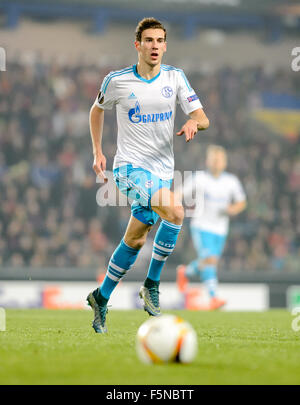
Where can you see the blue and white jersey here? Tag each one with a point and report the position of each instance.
(145, 115)
(214, 194)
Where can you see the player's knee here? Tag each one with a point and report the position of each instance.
(179, 215)
(136, 243)
(211, 260)
(176, 215)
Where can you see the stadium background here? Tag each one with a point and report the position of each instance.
(236, 54)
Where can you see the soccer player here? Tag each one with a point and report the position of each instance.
(145, 96)
(220, 196)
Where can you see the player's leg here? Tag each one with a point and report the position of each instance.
(164, 204)
(127, 180)
(209, 247)
(172, 214)
(136, 233)
(124, 255)
(209, 273)
(121, 261)
(168, 206)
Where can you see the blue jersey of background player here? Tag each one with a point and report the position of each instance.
(145, 96)
(220, 196)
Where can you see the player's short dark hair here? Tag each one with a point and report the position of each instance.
(146, 23)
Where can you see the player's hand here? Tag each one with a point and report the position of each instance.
(229, 211)
(99, 167)
(190, 128)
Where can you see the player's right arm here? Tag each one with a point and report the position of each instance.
(105, 100)
(96, 129)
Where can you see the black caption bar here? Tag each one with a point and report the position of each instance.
(137, 394)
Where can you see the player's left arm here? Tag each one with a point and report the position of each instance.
(239, 199)
(198, 122)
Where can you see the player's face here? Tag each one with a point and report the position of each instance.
(152, 46)
(216, 161)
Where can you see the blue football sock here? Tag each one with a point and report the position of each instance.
(164, 243)
(121, 261)
(192, 269)
(208, 276)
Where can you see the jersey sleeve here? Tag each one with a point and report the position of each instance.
(238, 193)
(186, 96)
(106, 97)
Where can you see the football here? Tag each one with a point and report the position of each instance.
(166, 339)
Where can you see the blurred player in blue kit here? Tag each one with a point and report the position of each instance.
(145, 96)
(219, 196)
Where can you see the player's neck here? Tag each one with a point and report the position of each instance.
(146, 71)
(215, 174)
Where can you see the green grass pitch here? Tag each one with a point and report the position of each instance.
(60, 347)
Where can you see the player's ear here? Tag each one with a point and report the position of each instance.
(137, 45)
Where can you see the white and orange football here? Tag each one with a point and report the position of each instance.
(166, 339)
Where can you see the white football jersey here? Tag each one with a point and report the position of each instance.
(145, 115)
(212, 195)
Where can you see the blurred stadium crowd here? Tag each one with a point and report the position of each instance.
(48, 211)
